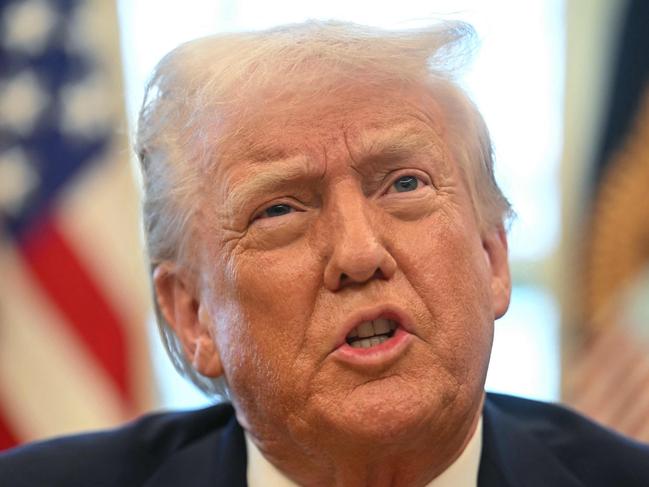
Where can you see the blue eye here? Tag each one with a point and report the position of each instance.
(276, 210)
(406, 183)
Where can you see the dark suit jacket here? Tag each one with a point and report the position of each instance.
(525, 443)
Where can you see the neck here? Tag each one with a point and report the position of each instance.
(408, 461)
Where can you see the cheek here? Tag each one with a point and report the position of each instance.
(276, 284)
(274, 293)
(442, 256)
(444, 263)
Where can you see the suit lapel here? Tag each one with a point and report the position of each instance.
(513, 456)
(218, 459)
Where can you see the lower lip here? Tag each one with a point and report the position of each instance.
(379, 354)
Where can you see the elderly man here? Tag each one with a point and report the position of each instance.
(328, 252)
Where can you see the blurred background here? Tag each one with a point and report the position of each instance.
(561, 83)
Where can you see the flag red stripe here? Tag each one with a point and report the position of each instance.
(7, 437)
(75, 294)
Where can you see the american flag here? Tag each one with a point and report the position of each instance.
(73, 298)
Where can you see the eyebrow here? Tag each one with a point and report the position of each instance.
(402, 140)
(273, 170)
(270, 175)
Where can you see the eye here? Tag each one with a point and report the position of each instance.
(406, 183)
(275, 210)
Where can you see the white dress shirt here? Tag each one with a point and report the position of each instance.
(463, 472)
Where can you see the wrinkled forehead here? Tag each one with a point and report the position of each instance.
(305, 120)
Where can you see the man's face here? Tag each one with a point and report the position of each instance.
(344, 218)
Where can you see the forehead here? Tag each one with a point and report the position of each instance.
(354, 116)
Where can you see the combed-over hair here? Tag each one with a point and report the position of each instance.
(206, 81)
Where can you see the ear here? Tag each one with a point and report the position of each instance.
(187, 317)
(494, 243)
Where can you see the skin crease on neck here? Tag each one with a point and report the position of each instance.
(301, 231)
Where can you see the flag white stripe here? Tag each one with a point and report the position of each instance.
(49, 384)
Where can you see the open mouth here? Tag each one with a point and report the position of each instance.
(368, 334)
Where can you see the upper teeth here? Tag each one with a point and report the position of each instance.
(367, 329)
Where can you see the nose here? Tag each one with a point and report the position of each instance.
(357, 252)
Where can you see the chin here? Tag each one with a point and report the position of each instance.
(388, 412)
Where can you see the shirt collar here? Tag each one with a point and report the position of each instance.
(463, 472)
